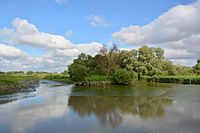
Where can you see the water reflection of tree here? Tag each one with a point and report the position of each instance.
(109, 109)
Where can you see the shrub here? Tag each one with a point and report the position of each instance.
(133, 75)
(99, 78)
(122, 76)
(78, 72)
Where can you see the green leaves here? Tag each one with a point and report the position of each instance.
(78, 72)
(122, 76)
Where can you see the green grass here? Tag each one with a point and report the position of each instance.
(56, 77)
(99, 78)
(176, 79)
(7, 79)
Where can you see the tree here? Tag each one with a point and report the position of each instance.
(29, 72)
(146, 54)
(108, 59)
(2, 72)
(64, 72)
(197, 67)
(78, 72)
(122, 76)
(159, 53)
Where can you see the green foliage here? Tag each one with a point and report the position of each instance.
(184, 71)
(64, 72)
(29, 72)
(16, 73)
(197, 67)
(142, 63)
(6, 79)
(108, 59)
(2, 72)
(122, 76)
(133, 75)
(98, 78)
(176, 79)
(55, 77)
(78, 72)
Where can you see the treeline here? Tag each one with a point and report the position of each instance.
(33, 73)
(9, 77)
(124, 66)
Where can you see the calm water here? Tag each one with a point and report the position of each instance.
(59, 108)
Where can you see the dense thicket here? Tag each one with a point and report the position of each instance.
(122, 64)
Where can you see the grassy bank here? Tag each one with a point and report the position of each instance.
(10, 84)
(95, 80)
(6, 79)
(175, 79)
(63, 78)
(99, 78)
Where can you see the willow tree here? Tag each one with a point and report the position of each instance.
(197, 67)
(108, 59)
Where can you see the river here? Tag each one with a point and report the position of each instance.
(57, 107)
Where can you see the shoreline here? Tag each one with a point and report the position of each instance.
(14, 87)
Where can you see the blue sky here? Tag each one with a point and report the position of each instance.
(88, 22)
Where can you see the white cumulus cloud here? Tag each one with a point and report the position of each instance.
(59, 52)
(177, 31)
(28, 35)
(11, 52)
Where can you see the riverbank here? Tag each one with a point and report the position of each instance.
(59, 78)
(11, 84)
(175, 79)
(102, 80)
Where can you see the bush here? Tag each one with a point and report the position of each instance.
(55, 77)
(78, 72)
(175, 79)
(29, 72)
(98, 78)
(122, 76)
(133, 75)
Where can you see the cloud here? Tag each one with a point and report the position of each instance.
(177, 30)
(11, 52)
(28, 35)
(60, 1)
(68, 33)
(97, 21)
(6, 32)
(78, 49)
(185, 62)
(54, 102)
(59, 52)
(173, 25)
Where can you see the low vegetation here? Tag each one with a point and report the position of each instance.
(8, 79)
(175, 79)
(99, 78)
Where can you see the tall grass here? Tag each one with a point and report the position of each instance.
(55, 77)
(175, 79)
(98, 78)
(7, 79)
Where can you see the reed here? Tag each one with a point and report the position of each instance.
(175, 79)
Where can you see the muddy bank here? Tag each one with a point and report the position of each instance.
(14, 87)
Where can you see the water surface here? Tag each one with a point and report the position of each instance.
(60, 107)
